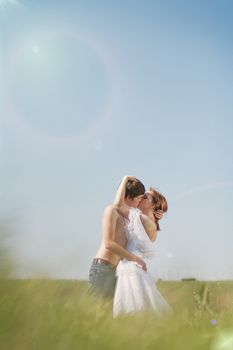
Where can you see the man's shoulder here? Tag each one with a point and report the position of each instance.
(111, 209)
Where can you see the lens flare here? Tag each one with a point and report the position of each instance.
(224, 341)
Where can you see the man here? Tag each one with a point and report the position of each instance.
(102, 275)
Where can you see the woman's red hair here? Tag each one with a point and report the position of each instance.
(160, 203)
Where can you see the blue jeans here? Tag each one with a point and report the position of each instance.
(102, 280)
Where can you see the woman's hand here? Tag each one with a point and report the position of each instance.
(158, 214)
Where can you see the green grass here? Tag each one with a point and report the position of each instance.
(56, 314)
(45, 314)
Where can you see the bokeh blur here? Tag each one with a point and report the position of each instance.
(93, 90)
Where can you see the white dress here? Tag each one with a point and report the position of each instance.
(135, 288)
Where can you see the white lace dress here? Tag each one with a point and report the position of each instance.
(136, 289)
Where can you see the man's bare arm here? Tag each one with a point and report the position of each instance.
(109, 236)
(120, 195)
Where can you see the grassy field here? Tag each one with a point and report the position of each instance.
(45, 314)
(56, 314)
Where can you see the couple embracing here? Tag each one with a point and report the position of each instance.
(119, 269)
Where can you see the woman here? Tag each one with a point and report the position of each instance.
(136, 289)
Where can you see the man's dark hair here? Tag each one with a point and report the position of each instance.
(134, 188)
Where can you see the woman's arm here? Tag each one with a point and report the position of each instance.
(149, 226)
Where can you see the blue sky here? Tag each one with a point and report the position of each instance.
(94, 90)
